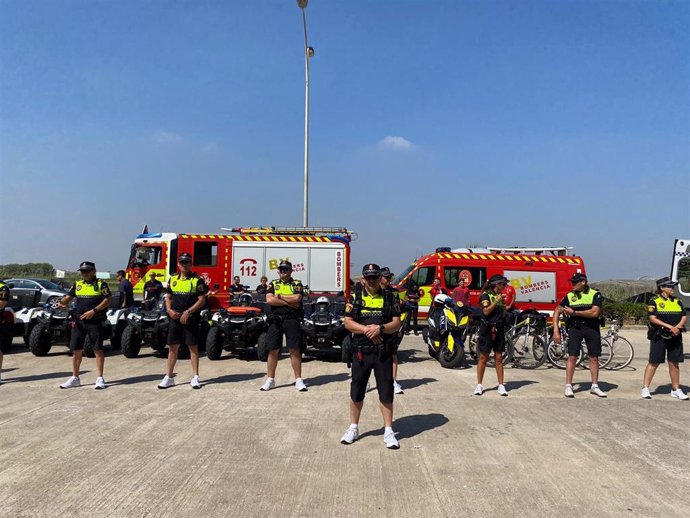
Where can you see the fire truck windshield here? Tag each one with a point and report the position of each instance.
(402, 275)
(145, 255)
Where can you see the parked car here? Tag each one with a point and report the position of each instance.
(22, 289)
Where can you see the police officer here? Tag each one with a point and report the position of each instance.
(284, 295)
(153, 289)
(186, 296)
(582, 308)
(491, 334)
(386, 277)
(373, 317)
(93, 297)
(4, 299)
(667, 320)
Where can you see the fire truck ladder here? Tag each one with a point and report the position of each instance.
(292, 231)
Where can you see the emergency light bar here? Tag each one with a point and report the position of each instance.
(546, 250)
(286, 231)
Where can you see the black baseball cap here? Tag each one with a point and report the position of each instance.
(497, 279)
(285, 265)
(184, 258)
(386, 272)
(666, 282)
(371, 270)
(577, 277)
(86, 266)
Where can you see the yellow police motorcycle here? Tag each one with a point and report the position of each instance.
(445, 334)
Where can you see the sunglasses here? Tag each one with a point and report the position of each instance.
(371, 277)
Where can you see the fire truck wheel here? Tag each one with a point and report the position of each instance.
(39, 340)
(130, 343)
(214, 344)
(88, 348)
(183, 353)
(262, 348)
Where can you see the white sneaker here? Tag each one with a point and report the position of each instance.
(268, 385)
(390, 440)
(72, 382)
(644, 393)
(167, 382)
(397, 389)
(299, 385)
(597, 391)
(100, 383)
(502, 391)
(569, 391)
(679, 394)
(196, 382)
(350, 436)
(478, 390)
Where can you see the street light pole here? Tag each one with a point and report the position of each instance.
(308, 53)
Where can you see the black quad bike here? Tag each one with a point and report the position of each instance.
(52, 327)
(322, 325)
(240, 327)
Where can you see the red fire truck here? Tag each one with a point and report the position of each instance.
(539, 275)
(320, 257)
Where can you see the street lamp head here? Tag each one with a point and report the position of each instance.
(302, 3)
(310, 52)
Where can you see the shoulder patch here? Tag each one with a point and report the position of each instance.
(651, 309)
(348, 308)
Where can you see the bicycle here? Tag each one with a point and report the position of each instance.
(558, 353)
(528, 339)
(622, 352)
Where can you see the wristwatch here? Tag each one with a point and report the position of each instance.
(382, 329)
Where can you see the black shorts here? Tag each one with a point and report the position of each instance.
(488, 341)
(84, 328)
(183, 334)
(383, 372)
(592, 338)
(290, 327)
(660, 349)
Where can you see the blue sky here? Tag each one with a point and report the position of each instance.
(433, 123)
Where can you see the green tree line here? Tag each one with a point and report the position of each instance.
(42, 270)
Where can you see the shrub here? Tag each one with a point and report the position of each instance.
(629, 312)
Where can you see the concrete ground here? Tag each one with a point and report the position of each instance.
(231, 450)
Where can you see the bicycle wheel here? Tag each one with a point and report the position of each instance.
(558, 354)
(529, 350)
(507, 354)
(622, 353)
(604, 358)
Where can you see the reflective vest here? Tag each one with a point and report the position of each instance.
(372, 306)
(286, 288)
(183, 286)
(582, 300)
(669, 311)
(89, 290)
(4, 293)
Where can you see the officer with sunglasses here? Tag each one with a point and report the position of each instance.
(582, 309)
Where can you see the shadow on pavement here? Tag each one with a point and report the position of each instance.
(666, 389)
(416, 382)
(325, 379)
(145, 378)
(603, 385)
(412, 425)
(39, 377)
(514, 385)
(412, 356)
(232, 378)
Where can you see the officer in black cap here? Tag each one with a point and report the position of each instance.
(491, 334)
(667, 321)
(386, 278)
(93, 298)
(284, 295)
(373, 318)
(186, 297)
(582, 307)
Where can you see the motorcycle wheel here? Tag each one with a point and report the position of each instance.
(451, 360)
(130, 343)
(39, 340)
(262, 348)
(214, 344)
